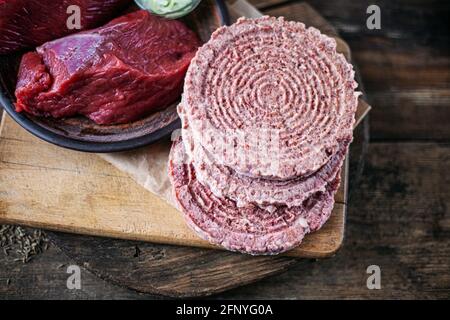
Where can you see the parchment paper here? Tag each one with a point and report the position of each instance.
(148, 165)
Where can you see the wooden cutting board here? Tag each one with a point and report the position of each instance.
(57, 189)
(45, 186)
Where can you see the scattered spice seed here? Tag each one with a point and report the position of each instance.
(22, 243)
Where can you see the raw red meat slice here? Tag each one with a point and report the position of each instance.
(28, 23)
(249, 229)
(270, 98)
(118, 73)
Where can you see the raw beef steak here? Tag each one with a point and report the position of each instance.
(28, 23)
(114, 74)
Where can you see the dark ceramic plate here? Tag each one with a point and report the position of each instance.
(82, 134)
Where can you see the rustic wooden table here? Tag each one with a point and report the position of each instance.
(399, 213)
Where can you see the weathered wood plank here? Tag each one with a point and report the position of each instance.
(399, 219)
(167, 270)
(405, 65)
(263, 4)
(406, 70)
(308, 15)
(46, 277)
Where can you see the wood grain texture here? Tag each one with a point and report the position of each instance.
(265, 4)
(46, 276)
(398, 219)
(308, 15)
(167, 270)
(405, 65)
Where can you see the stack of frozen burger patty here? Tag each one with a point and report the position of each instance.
(267, 116)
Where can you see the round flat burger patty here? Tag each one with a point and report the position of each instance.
(225, 182)
(270, 98)
(248, 229)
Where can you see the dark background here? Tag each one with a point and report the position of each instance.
(399, 213)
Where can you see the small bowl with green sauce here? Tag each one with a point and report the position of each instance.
(171, 9)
